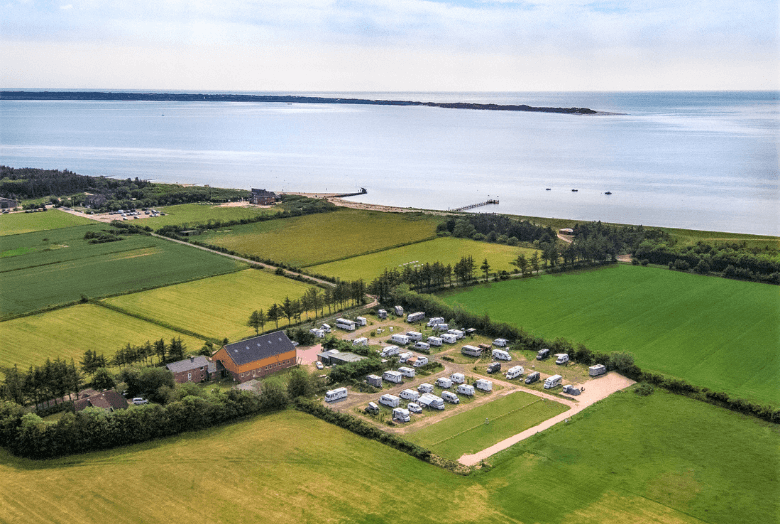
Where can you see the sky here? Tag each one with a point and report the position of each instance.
(390, 45)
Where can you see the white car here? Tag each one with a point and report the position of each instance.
(414, 408)
(319, 365)
(138, 401)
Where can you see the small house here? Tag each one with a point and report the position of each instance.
(262, 197)
(108, 400)
(193, 369)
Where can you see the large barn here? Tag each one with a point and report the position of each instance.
(257, 357)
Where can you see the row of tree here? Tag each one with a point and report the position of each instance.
(495, 228)
(54, 379)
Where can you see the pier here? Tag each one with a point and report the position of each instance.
(479, 204)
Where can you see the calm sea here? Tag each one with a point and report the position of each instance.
(693, 160)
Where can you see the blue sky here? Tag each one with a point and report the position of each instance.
(390, 45)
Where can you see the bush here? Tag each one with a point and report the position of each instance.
(644, 389)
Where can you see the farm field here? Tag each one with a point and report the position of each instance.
(468, 433)
(216, 307)
(59, 266)
(68, 332)
(17, 223)
(713, 332)
(193, 214)
(660, 458)
(447, 250)
(315, 239)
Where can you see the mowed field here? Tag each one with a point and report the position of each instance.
(68, 332)
(714, 332)
(54, 267)
(315, 239)
(627, 459)
(447, 250)
(217, 307)
(468, 432)
(193, 214)
(16, 223)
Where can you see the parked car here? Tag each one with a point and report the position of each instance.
(495, 367)
(414, 408)
(319, 365)
(138, 401)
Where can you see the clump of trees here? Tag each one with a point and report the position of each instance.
(499, 229)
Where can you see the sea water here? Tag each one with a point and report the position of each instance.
(693, 160)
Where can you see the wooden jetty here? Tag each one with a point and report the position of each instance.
(479, 204)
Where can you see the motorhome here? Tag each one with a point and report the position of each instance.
(425, 388)
(422, 346)
(403, 357)
(435, 321)
(398, 338)
(409, 394)
(415, 317)
(514, 372)
(414, 408)
(401, 415)
(362, 341)
(444, 382)
(414, 335)
(335, 394)
(441, 327)
(563, 358)
(484, 385)
(420, 362)
(389, 400)
(393, 376)
(372, 408)
(325, 328)
(434, 341)
(389, 351)
(543, 354)
(318, 333)
(598, 369)
(399, 311)
(431, 401)
(471, 351)
(465, 389)
(532, 377)
(360, 321)
(449, 338)
(553, 381)
(382, 314)
(500, 354)
(458, 378)
(450, 397)
(457, 332)
(374, 380)
(407, 372)
(494, 367)
(345, 324)
(571, 390)
(500, 342)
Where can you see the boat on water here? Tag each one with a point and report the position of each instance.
(548, 189)
(574, 190)
(608, 193)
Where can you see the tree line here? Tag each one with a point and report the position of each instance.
(495, 228)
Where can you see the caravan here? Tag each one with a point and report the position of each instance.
(422, 346)
(563, 358)
(403, 357)
(347, 325)
(500, 354)
(414, 335)
(434, 341)
(431, 401)
(393, 376)
(389, 400)
(400, 339)
(458, 378)
(360, 321)
(449, 338)
(407, 372)
(382, 314)
(399, 311)
(409, 394)
(420, 362)
(425, 388)
(598, 369)
(450, 397)
(441, 327)
(553, 381)
(500, 342)
(484, 385)
(471, 351)
(335, 394)
(435, 321)
(401, 415)
(318, 333)
(458, 333)
(374, 380)
(362, 341)
(389, 351)
(514, 372)
(444, 382)
(465, 389)
(415, 317)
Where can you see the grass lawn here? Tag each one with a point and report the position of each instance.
(217, 307)
(193, 214)
(315, 239)
(468, 433)
(713, 332)
(447, 250)
(16, 223)
(56, 267)
(67, 333)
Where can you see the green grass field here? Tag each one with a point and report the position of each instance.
(58, 266)
(217, 307)
(468, 433)
(713, 332)
(68, 332)
(16, 223)
(627, 459)
(193, 214)
(315, 239)
(447, 250)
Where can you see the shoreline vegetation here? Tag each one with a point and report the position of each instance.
(290, 99)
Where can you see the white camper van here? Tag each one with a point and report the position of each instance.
(415, 317)
(484, 385)
(598, 369)
(553, 381)
(360, 321)
(400, 339)
(450, 397)
(425, 388)
(318, 333)
(393, 376)
(431, 401)
(335, 394)
(399, 311)
(374, 380)
(389, 400)
(420, 362)
(435, 320)
(563, 358)
(465, 389)
(414, 335)
(403, 357)
(457, 332)
(458, 378)
(514, 372)
(409, 394)
(422, 346)
(500, 342)
(444, 382)
(500, 354)
(401, 415)
(434, 341)
(441, 327)
(407, 372)
(471, 351)
(345, 324)
(362, 341)
(382, 314)
(389, 351)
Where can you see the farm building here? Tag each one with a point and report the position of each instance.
(374, 380)
(8, 203)
(334, 357)
(257, 357)
(193, 369)
(262, 197)
(108, 400)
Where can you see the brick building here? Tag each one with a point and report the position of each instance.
(257, 357)
(193, 369)
(262, 197)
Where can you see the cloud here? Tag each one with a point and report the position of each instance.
(66, 7)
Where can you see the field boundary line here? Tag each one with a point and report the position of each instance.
(372, 252)
(73, 260)
(151, 320)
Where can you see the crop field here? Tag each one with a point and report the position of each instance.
(713, 332)
(193, 214)
(16, 223)
(467, 432)
(216, 307)
(59, 266)
(68, 332)
(627, 459)
(316, 239)
(447, 250)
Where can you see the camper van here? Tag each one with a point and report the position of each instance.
(399, 311)
(449, 338)
(500, 342)
(441, 327)
(431, 401)
(325, 328)
(500, 354)
(563, 358)
(543, 354)
(414, 335)
(514, 372)
(360, 321)
(458, 378)
(407, 372)
(471, 351)
(415, 317)
(553, 381)
(409, 394)
(389, 400)
(413, 407)
(345, 324)
(532, 377)
(362, 341)
(444, 382)
(484, 385)
(389, 351)
(422, 346)
(571, 390)
(450, 397)
(401, 415)
(494, 367)
(598, 369)
(435, 321)
(335, 394)
(318, 333)
(382, 314)
(420, 362)
(425, 388)
(393, 376)
(434, 341)
(465, 389)
(403, 357)
(372, 408)
(458, 333)
(400, 339)
(374, 380)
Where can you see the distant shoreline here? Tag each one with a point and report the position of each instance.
(290, 99)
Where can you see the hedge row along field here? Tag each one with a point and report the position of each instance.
(315, 239)
(218, 307)
(17, 223)
(447, 250)
(193, 214)
(709, 331)
(59, 266)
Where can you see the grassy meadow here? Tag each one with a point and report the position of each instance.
(193, 214)
(68, 332)
(17, 223)
(447, 250)
(319, 238)
(713, 332)
(216, 307)
(46, 268)
(627, 459)
(468, 433)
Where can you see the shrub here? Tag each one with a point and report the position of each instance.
(644, 389)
